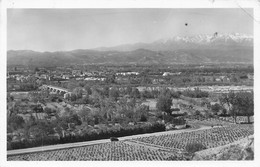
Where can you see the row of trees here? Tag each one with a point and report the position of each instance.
(241, 103)
(196, 93)
(105, 91)
(90, 135)
(234, 104)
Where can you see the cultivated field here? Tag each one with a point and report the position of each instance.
(210, 138)
(160, 147)
(116, 151)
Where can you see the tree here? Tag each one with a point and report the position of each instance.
(61, 123)
(113, 93)
(215, 108)
(39, 96)
(48, 110)
(9, 97)
(239, 103)
(15, 122)
(42, 129)
(13, 108)
(164, 103)
(75, 119)
(196, 93)
(146, 94)
(108, 109)
(245, 104)
(73, 97)
(175, 94)
(85, 99)
(88, 89)
(142, 112)
(78, 92)
(36, 69)
(72, 84)
(81, 84)
(135, 93)
(67, 112)
(155, 93)
(106, 91)
(95, 98)
(111, 79)
(224, 111)
(230, 100)
(128, 89)
(84, 113)
(145, 80)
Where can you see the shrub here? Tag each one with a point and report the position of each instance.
(193, 147)
(175, 94)
(143, 118)
(196, 93)
(159, 115)
(216, 108)
(197, 112)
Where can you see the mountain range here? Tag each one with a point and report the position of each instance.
(200, 49)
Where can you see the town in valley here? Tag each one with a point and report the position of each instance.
(167, 84)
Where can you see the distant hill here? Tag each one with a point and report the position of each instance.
(191, 50)
(215, 41)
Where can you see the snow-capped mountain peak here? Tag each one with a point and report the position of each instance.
(213, 38)
(202, 41)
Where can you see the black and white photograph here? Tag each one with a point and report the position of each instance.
(130, 83)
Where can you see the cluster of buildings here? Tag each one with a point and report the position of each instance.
(127, 73)
(24, 75)
(171, 73)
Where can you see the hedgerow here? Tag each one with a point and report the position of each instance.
(90, 135)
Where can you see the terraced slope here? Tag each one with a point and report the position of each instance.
(114, 151)
(159, 147)
(210, 138)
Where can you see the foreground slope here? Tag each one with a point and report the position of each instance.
(155, 147)
(240, 150)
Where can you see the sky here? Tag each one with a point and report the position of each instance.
(69, 29)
